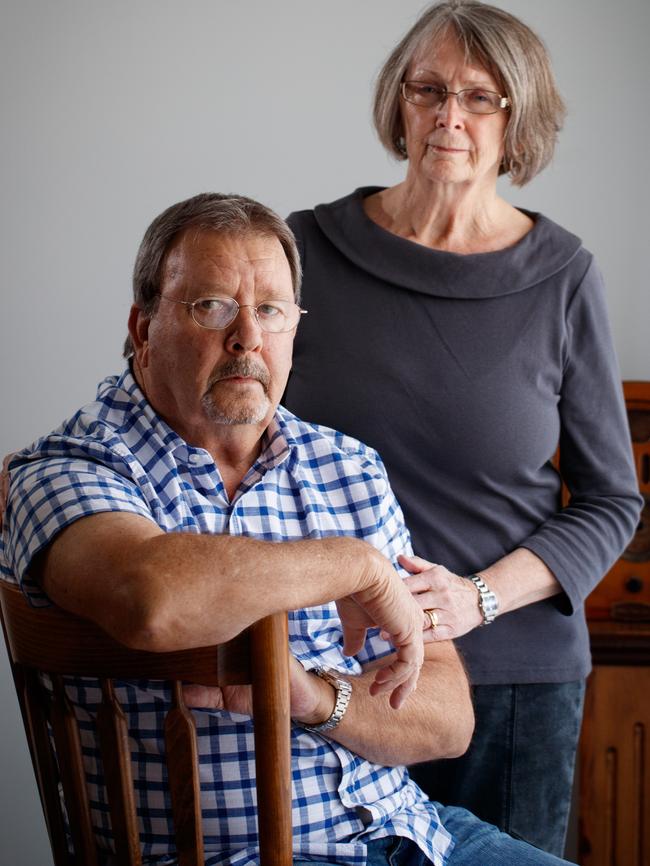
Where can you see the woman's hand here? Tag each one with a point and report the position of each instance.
(453, 598)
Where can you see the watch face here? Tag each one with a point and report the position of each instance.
(489, 605)
(487, 600)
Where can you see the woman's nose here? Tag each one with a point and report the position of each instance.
(449, 112)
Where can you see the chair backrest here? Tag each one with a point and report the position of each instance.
(53, 641)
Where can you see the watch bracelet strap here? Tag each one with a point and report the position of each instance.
(343, 694)
(487, 600)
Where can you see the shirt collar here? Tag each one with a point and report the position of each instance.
(277, 441)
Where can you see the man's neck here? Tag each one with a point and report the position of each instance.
(233, 447)
(234, 452)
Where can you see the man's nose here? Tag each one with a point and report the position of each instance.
(245, 332)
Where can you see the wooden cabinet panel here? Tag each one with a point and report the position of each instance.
(615, 768)
(614, 819)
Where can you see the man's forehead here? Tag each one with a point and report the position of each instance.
(206, 250)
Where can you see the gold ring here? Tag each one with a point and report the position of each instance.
(433, 618)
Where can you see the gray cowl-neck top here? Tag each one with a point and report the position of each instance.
(465, 372)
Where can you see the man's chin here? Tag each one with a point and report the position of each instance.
(242, 413)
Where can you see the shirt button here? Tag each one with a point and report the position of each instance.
(195, 458)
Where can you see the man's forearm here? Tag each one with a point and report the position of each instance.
(168, 591)
(229, 583)
(435, 722)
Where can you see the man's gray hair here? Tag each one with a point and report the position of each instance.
(515, 57)
(227, 214)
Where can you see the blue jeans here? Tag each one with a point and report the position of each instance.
(477, 844)
(518, 771)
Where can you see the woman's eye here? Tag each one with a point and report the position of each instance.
(479, 96)
(429, 89)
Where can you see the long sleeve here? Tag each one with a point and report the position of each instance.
(580, 542)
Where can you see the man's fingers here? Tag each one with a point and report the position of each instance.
(203, 696)
(354, 638)
(400, 695)
(399, 678)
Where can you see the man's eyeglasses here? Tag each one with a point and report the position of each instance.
(216, 313)
(472, 99)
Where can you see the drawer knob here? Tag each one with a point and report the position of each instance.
(634, 584)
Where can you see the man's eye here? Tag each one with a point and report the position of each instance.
(210, 305)
(269, 311)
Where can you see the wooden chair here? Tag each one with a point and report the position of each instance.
(54, 641)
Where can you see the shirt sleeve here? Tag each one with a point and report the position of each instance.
(48, 494)
(582, 541)
(315, 633)
(392, 539)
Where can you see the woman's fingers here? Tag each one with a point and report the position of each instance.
(414, 563)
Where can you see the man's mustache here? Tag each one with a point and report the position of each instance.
(245, 367)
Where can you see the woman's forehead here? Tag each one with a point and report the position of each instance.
(447, 54)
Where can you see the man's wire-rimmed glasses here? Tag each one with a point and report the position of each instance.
(217, 312)
(476, 100)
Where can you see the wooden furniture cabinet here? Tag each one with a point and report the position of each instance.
(614, 813)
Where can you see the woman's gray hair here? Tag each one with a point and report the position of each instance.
(209, 211)
(515, 57)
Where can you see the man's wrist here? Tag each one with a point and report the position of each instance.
(333, 708)
(324, 704)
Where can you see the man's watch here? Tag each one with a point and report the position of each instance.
(343, 695)
(487, 600)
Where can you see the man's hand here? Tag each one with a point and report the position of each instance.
(388, 604)
(4, 485)
(312, 699)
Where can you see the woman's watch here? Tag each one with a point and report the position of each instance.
(487, 600)
(343, 694)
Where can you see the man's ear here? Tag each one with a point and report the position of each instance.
(139, 332)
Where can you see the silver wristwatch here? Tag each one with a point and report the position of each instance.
(487, 600)
(343, 695)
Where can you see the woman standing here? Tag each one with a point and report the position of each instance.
(465, 339)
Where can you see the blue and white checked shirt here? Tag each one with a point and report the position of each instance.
(116, 454)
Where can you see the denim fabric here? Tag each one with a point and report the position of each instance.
(481, 844)
(477, 844)
(518, 771)
(389, 851)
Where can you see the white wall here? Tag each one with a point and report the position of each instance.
(112, 111)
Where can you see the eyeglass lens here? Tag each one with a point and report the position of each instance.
(475, 100)
(217, 313)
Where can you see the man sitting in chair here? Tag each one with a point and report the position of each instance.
(185, 503)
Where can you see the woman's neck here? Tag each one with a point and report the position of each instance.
(453, 217)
